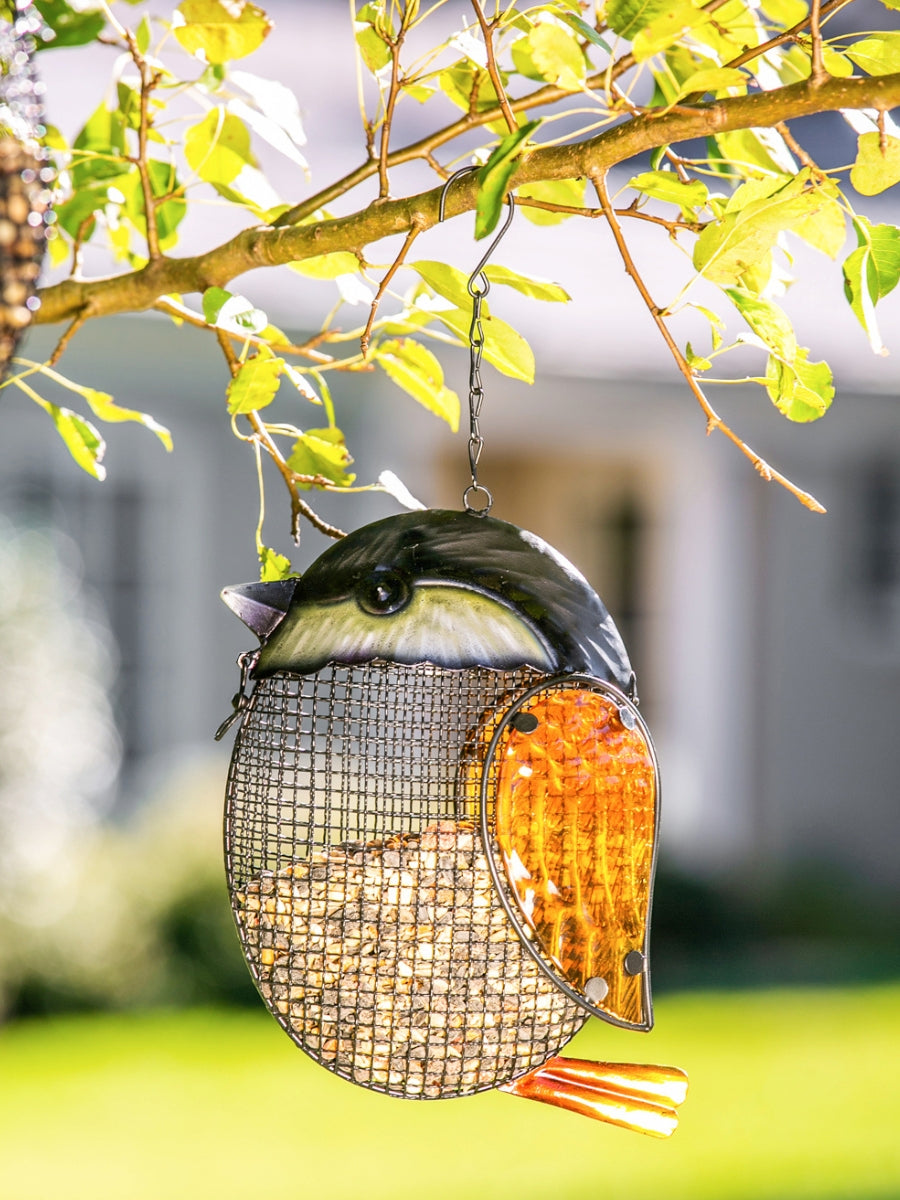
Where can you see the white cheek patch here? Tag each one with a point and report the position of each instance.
(447, 626)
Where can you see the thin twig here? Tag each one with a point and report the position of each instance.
(789, 35)
(393, 92)
(487, 30)
(818, 72)
(383, 286)
(570, 210)
(149, 79)
(794, 146)
(713, 420)
(67, 337)
(299, 507)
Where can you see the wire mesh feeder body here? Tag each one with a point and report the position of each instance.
(361, 889)
(439, 867)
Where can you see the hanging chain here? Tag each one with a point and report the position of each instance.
(477, 498)
(476, 399)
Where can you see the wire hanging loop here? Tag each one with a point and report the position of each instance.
(477, 498)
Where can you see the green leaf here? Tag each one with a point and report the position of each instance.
(327, 266)
(104, 407)
(368, 27)
(877, 167)
(414, 368)
(768, 321)
(786, 12)
(827, 230)
(551, 54)
(452, 284)
(711, 79)
(667, 28)
(221, 30)
(878, 55)
(802, 390)
(588, 32)
(495, 175)
(870, 273)
(71, 26)
(629, 17)
(567, 192)
(255, 384)
(272, 565)
(213, 300)
(751, 225)
(169, 214)
(504, 348)
(103, 134)
(143, 34)
(226, 311)
(696, 361)
(537, 289)
(218, 147)
(755, 152)
(322, 452)
(81, 438)
(666, 186)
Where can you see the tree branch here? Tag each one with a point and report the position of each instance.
(487, 32)
(260, 247)
(713, 420)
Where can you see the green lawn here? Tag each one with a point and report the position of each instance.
(793, 1094)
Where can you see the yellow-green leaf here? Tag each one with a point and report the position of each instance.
(221, 29)
(750, 227)
(786, 12)
(218, 147)
(322, 452)
(711, 79)
(81, 438)
(827, 230)
(629, 17)
(755, 152)
(666, 186)
(802, 390)
(495, 175)
(870, 273)
(567, 192)
(104, 407)
(504, 348)
(451, 283)
(877, 55)
(273, 565)
(667, 28)
(327, 266)
(255, 384)
(552, 54)
(414, 368)
(877, 166)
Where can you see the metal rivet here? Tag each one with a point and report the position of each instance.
(627, 717)
(634, 962)
(524, 722)
(596, 989)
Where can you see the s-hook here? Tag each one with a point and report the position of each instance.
(478, 287)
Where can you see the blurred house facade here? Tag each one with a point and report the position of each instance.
(766, 639)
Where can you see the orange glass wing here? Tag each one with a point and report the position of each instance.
(574, 814)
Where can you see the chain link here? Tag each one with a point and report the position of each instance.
(477, 498)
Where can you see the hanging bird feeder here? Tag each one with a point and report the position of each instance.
(441, 814)
(25, 176)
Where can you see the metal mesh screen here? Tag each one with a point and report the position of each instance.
(360, 885)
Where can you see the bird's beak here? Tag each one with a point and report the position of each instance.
(261, 606)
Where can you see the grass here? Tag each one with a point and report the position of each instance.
(793, 1094)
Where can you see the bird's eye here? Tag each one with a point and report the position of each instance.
(383, 593)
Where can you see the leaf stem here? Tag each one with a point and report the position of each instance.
(383, 286)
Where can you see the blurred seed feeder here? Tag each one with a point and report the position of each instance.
(25, 175)
(441, 810)
(441, 818)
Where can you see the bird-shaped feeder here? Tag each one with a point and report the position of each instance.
(441, 814)
(25, 176)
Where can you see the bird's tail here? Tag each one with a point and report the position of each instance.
(634, 1096)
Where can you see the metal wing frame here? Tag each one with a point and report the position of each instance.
(505, 894)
